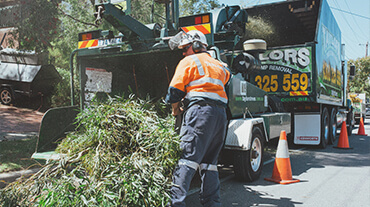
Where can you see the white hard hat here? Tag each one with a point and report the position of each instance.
(192, 36)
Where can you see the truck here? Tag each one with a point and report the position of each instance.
(139, 58)
(304, 68)
(359, 106)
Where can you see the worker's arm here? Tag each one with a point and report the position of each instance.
(177, 89)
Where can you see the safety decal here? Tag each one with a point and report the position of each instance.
(87, 43)
(204, 28)
(298, 93)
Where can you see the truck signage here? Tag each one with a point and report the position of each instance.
(105, 42)
(328, 57)
(300, 57)
(286, 70)
(98, 42)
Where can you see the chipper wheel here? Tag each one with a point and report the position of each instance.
(248, 164)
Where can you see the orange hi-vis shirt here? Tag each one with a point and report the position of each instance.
(199, 76)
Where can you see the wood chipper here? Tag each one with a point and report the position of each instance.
(138, 60)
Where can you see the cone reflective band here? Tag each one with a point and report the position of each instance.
(204, 28)
(298, 93)
(282, 172)
(87, 44)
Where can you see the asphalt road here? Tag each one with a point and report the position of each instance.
(329, 177)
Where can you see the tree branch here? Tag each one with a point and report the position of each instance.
(87, 23)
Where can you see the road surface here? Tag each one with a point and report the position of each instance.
(329, 177)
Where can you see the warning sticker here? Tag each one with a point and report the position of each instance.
(98, 80)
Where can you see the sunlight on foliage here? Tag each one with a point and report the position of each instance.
(122, 154)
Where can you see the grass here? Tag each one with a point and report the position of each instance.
(16, 155)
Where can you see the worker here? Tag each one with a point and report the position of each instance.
(199, 85)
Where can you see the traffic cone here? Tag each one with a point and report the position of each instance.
(361, 128)
(343, 138)
(282, 172)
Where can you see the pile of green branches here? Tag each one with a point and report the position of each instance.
(122, 154)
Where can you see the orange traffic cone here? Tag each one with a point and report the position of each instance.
(282, 172)
(361, 128)
(343, 138)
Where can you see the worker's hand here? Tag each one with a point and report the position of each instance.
(177, 109)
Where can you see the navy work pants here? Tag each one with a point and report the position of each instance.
(202, 136)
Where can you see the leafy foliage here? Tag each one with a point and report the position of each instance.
(361, 81)
(69, 12)
(122, 155)
(37, 25)
(141, 11)
(191, 7)
(53, 25)
(61, 94)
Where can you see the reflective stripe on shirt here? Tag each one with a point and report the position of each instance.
(199, 64)
(209, 95)
(206, 80)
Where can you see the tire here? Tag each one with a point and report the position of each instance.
(6, 96)
(325, 125)
(333, 126)
(248, 164)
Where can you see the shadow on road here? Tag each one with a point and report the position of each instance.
(250, 197)
(236, 193)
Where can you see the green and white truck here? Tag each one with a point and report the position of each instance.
(304, 68)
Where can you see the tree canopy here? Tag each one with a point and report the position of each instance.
(36, 24)
(360, 83)
(54, 25)
(189, 7)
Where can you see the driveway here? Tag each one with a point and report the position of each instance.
(16, 122)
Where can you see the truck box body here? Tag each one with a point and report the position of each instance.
(303, 67)
(303, 62)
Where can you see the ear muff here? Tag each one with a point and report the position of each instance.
(197, 46)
